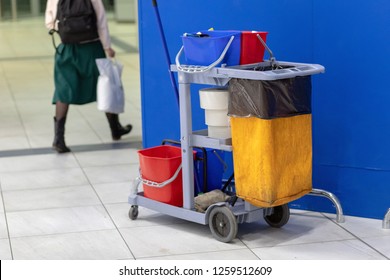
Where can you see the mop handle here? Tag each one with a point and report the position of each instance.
(173, 82)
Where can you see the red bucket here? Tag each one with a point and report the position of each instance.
(252, 50)
(159, 164)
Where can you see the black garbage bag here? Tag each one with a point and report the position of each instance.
(270, 99)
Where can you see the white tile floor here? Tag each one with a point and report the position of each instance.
(74, 206)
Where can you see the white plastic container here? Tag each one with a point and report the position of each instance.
(221, 132)
(215, 101)
(214, 98)
(217, 117)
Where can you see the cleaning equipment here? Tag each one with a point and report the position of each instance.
(160, 169)
(215, 103)
(204, 200)
(223, 214)
(206, 161)
(271, 136)
(252, 50)
(167, 57)
(272, 159)
(205, 47)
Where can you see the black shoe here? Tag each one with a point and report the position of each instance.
(59, 139)
(117, 130)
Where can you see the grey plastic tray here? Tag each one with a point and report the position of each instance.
(250, 71)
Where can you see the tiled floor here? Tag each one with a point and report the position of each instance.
(74, 206)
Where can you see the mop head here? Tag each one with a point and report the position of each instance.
(203, 201)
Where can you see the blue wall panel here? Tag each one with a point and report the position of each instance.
(351, 118)
(350, 105)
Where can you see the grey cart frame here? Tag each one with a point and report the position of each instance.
(243, 211)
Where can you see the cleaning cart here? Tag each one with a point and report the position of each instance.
(222, 217)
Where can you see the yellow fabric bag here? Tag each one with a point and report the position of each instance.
(272, 159)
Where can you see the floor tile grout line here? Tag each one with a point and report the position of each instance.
(321, 242)
(355, 236)
(6, 223)
(58, 169)
(91, 126)
(105, 208)
(52, 208)
(193, 253)
(63, 168)
(15, 104)
(61, 233)
(57, 187)
(250, 249)
(100, 203)
(304, 243)
(4, 212)
(150, 225)
(87, 183)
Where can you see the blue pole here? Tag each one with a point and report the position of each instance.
(173, 82)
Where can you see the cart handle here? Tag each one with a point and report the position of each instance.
(192, 69)
(159, 185)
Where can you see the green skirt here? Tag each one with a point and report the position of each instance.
(76, 73)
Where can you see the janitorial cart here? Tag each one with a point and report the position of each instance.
(270, 119)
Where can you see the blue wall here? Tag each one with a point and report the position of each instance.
(351, 119)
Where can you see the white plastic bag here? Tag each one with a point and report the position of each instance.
(110, 94)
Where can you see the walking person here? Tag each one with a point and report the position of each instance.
(75, 70)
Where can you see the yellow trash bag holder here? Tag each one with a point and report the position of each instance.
(271, 139)
(272, 159)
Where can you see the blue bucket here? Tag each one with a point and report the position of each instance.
(206, 49)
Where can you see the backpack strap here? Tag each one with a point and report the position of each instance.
(51, 32)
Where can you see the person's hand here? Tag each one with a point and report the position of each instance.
(110, 52)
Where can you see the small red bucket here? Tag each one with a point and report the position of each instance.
(159, 164)
(252, 50)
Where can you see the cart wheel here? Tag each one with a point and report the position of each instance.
(279, 217)
(133, 212)
(223, 224)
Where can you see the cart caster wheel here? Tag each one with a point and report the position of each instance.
(279, 217)
(133, 212)
(223, 224)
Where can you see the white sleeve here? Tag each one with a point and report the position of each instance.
(51, 13)
(102, 24)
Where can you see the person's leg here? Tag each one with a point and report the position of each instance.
(59, 127)
(117, 130)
